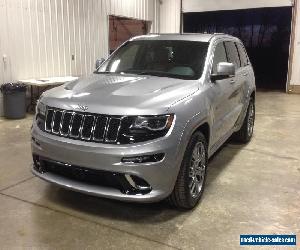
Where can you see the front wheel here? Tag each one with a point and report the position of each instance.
(190, 182)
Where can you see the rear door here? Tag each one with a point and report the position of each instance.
(246, 70)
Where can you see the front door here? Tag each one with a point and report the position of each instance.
(222, 92)
(235, 98)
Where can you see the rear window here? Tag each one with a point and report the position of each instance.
(243, 55)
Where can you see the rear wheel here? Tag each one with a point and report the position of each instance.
(191, 178)
(244, 135)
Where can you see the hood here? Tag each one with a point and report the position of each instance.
(120, 94)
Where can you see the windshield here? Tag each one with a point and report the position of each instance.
(166, 58)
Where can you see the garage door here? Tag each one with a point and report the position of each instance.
(264, 31)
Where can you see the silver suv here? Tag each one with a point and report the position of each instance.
(143, 126)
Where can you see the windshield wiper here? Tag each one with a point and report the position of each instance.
(145, 72)
(102, 72)
(155, 73)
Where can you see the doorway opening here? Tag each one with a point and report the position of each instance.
(265, 33)
(123, 28)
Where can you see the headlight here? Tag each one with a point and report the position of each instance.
(144, 128)
(153, 123)
(40, 108)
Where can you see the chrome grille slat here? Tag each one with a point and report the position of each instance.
(47, 122)
(97, 125)
(82, 126)
(112, 136)
(87, 128)
(66, 123)
(106, 128)
(77, 128)
(52, 122)
(61, 121)
(93, 128)
(56, 121)
(71, 123)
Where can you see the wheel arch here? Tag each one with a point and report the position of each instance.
(205, 129)
(252, 95)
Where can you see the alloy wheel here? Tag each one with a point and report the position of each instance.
(197, 169)
(251, 117)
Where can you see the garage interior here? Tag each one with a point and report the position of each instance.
(265, 32)
(250, 189)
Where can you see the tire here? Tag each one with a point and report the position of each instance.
(190, 184)
(244, 135)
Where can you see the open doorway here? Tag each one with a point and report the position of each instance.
(123, 28)
(265, 32)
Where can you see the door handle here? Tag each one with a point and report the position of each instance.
(232, 81)
(245, 74)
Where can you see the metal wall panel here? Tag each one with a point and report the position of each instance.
(42, 37)
(4, 63)
(39, 37)
(213, 5)
(170, 16)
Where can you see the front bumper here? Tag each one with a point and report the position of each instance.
(161, 175)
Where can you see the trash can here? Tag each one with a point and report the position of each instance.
(14, 100)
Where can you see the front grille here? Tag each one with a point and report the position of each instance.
(82, 126)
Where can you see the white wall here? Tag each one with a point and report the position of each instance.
(295, 62)
(3, 42)
(40, 36)
(212, 5)
(170, 16)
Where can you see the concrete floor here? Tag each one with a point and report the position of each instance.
(252, 188)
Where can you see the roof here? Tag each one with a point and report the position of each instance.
(185, 37)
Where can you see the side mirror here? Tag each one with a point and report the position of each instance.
(99, 62)
(224, 70)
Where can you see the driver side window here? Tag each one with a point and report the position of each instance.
(219, 56)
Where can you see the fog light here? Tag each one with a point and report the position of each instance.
(37, 164)
(144, 158)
